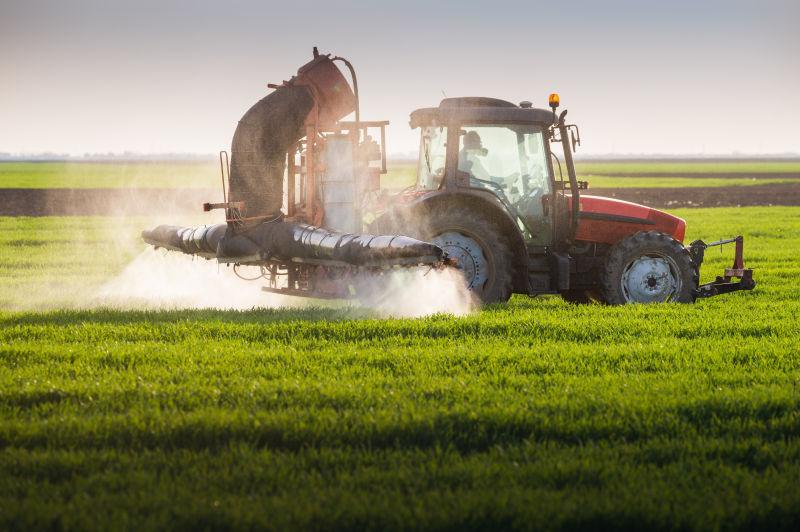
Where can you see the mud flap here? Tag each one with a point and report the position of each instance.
(561, 267)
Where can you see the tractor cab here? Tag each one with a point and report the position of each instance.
(491, 147)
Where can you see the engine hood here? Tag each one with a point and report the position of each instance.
(608, 220)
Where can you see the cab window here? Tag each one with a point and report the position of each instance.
(506, 159)
(432, 156)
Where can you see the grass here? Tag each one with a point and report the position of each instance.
(156, 174)
(402, 175)
(200, 174)
(52, 261)
(598, 181)
(696, 166)
(535, 414)
(205, 174)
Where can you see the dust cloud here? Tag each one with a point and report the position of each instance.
(157, 279)
(416, 292)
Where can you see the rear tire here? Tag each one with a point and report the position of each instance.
(649, 267)
(488, 269)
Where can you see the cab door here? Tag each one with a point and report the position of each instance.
(511, 162)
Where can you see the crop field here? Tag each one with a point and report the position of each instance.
(206, 174)
(136, 174)
(52, 261)
(679, 167)
(142, 188)
(537, 414)
(654, 175)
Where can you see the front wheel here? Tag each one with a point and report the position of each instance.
(649, 267)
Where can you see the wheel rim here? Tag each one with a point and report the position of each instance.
(469, 257)
(651, 278)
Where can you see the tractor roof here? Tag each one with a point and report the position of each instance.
(479, 109)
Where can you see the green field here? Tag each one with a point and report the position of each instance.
(537, 414)
(694, 166)
(140, 174)
(54, 261)
(205, 174)
(403, 175)
(598, 181)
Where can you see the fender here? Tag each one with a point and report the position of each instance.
(608, 220)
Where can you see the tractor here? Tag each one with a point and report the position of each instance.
(492, 193)
(492, 198)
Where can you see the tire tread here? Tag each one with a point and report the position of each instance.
(621, 252)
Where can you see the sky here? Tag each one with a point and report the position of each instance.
(639, 77)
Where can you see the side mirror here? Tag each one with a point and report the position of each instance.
(575, 141)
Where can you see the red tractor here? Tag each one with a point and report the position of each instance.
(492, 194)
(491, 198)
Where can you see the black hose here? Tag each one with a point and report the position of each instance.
(350, 67)
(259, 146)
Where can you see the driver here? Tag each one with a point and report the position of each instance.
(468, 157)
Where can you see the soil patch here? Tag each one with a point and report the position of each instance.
(699, 175)
(787, 194)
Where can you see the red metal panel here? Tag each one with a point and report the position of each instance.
(332, 93)
(612, 231)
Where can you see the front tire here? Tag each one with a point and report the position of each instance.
(649, 267)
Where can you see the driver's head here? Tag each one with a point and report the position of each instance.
(473, 143)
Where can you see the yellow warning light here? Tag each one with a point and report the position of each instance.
(554, 100)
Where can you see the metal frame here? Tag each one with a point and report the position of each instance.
(723, 284)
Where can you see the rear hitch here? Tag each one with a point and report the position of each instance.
(723, 284)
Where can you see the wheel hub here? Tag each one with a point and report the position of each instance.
(468, 255)
(650, 279)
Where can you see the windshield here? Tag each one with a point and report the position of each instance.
(432, 154)
(507, 159)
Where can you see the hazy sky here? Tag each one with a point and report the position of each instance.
(671, 76)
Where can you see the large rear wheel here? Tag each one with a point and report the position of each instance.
(481, 251)
(649, 267)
